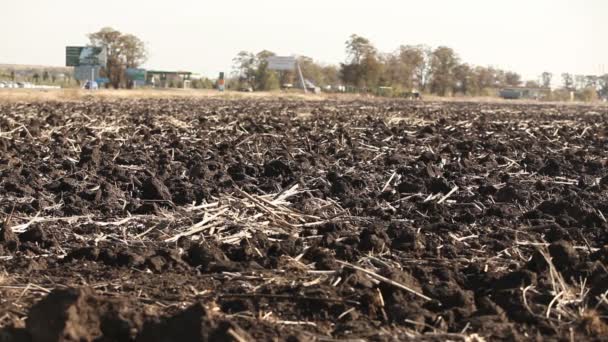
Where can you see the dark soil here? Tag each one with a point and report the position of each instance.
(244, 220)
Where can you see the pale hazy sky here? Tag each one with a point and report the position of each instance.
(527, 36)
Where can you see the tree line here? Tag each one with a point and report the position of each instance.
(411, 67)
(438, 71)
(36, 75)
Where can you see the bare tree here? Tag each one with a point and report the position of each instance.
(243, 66)
(568, 81)
(546, 79)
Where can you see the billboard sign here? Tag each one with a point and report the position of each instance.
(76, 56)
(281, 63)
(72, 55)
(135, 74)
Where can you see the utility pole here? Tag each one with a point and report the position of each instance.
(301, 78)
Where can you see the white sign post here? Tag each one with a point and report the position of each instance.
(286, 63)
(86, 72)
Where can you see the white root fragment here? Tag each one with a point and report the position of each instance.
(448, 195)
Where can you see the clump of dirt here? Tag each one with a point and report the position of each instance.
(79, 315)
(154, 189)
(8, 239)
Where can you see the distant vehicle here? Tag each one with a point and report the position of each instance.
(91, 85)
(2, 85)
(516, 93)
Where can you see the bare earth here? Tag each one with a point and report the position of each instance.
(193, 216)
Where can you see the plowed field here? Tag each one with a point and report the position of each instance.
(254, 220)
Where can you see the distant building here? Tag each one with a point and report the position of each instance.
(517, 93)
(163, 79)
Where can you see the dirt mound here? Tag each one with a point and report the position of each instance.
(78, 315)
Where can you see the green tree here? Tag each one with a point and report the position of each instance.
(464, 80)
(350, 74)
(591, 81)
(588, 94)
(405, 67)
(244, 68)
(371, 71)
(443, 63)
(363, 67)
(269, 81)
(124, 51)
(485, 78)
(358, 47)
(265, 79)
(512, 79)
(560, 95)
(532, 84)
(331, 75)
(252, 71)
(500, 78)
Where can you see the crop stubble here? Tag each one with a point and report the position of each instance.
(183, 219)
